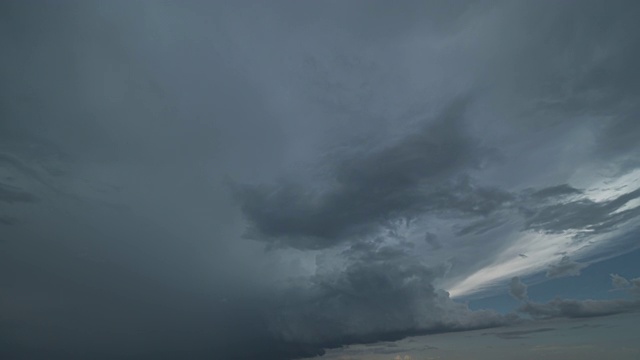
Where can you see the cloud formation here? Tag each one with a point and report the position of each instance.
(422, 173)
(10, 194)
(565, 267)
(518, 289)
(621, 283)
(373, 300)
(570, 308)
(202, 179)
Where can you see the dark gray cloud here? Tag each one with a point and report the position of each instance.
(382, 292)
(373, 298)
(565, 267)
(518, 289)
(555, 192)
(481, 226)
(377, 152)
(7, 220)
(603, 83)
(587, 326)
(11, 194)
(432, 239)
(518, 334)
(423, 172)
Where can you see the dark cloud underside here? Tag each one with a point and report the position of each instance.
(423, 172)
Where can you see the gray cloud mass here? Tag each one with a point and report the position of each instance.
(422, 173)
(197, 180)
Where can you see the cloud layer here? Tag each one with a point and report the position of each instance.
(571, 308)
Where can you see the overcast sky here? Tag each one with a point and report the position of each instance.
(270, 179)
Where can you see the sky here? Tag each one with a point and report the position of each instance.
(553, 339)
(281, 180)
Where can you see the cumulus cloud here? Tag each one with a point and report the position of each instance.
(621, 283)
(381, 292)
(421, 173)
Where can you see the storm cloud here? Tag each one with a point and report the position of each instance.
(271, 179)
(421, 173)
